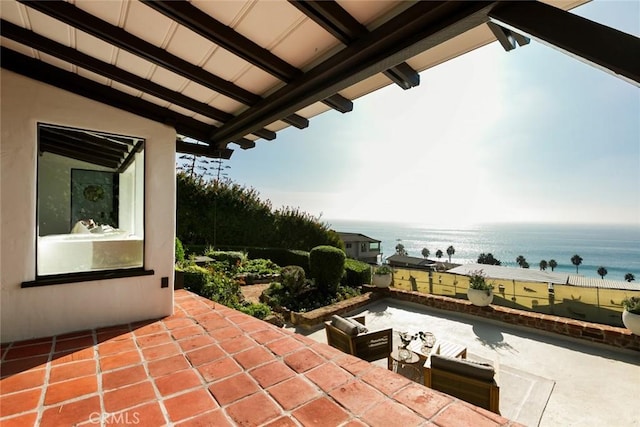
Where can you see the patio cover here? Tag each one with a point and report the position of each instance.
(224, 72)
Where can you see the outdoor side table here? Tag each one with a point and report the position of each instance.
(410, 368)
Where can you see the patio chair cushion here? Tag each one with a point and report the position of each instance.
(464, 367)
(361, 328)
(344, 325)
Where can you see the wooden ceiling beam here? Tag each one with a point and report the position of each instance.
(340, 24)
(604, 47)
(215, 31)
(38, 70)
(420, 27)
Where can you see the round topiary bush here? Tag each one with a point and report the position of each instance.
(326, 265)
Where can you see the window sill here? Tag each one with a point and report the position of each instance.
(60, 279)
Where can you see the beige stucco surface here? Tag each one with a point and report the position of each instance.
(43, 311)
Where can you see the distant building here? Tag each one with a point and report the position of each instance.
(361, 247)
(410, 262)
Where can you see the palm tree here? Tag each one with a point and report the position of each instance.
(450, 251)
(521, 260)
(602, 272)
(629, 277)
(439, 254)
(553, 264)
(425, 252)
(576, 260)
(543, 265)
(400, 249)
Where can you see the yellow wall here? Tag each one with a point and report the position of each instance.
(590, 304)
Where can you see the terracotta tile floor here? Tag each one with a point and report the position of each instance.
(208, 365)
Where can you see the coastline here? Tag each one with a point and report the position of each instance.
(613, 246)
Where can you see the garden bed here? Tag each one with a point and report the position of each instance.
(313, 318)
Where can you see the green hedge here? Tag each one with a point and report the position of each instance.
(357, 273)
(231, 257)
(282, 257)
(196, 278)
(225, 213)
(326, 265)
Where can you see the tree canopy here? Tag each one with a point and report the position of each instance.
(224, 213)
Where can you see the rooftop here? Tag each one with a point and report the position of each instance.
(210, 365)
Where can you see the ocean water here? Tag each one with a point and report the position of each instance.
(615, 247)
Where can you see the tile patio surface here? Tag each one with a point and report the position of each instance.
(210, 365)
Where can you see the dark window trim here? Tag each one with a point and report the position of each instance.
(89, 276)
(61, 279)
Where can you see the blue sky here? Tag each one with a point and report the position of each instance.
(529, 135)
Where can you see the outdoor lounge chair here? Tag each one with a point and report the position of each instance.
(467, 380)
(349, 336)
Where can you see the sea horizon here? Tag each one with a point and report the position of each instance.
(614, 246)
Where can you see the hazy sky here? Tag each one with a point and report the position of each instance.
(492, 136)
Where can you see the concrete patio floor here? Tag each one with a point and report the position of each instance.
(595, 385)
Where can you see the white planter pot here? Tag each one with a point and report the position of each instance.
(631, 321)
(480, 297)
(382, 280)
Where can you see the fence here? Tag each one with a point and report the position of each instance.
(599, 305)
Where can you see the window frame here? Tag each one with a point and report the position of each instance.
(89, 275)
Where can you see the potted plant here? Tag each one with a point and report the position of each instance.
(480, 291)
(631, 314)
(382, 276)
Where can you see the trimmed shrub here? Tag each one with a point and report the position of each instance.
(327, 266)
(231, 257)
(196, 278)
(282, 256)
(179, 251)
(357, 273)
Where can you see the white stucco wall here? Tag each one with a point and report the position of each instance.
(42, 311)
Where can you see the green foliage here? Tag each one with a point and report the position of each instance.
(631, 304)
(196, 278)
(232, 257)
(383, 269)
(179, 251)
(282, 256)
(238, 217)
(294, 279)
(488, 259)
(327, 266)
(357, 273)
(477, 280)
(258, 310)
(278, 296)
(259, 267)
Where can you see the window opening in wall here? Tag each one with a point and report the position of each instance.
(90, 211)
